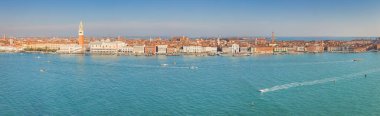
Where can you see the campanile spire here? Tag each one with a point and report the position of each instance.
(81, 34)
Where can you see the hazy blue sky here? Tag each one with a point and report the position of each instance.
(191, 17)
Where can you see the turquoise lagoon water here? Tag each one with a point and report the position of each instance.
(307, 84)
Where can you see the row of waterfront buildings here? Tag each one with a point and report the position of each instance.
(182, 45)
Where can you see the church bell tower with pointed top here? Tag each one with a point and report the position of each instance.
(81, 35)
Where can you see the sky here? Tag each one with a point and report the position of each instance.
(194, 18)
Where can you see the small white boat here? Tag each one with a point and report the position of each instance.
(193, 67)
(164, 65)
(261, 90)
(42, 70)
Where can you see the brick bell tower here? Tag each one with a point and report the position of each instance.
(81, 35)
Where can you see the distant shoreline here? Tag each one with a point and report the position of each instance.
(181, 54)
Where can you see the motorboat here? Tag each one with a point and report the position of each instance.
(164, 65)
(193, 67)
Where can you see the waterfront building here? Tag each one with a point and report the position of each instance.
(347, 49)
(44, 46)
(161, 49)
(315, 48)
(106, 47)
(280, 49)
(150, 50)
(235, 49)
(192, 49)
(252, 50)
(360, 49)
(244, 50)
(301, 49)
(292, 50)
(226, 50)
(212, 50)
(172, 50)
(337, 49)
(138, 49)
(262, 50)
(127, 49)
(9, 49)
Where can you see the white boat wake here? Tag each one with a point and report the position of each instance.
(320, 81)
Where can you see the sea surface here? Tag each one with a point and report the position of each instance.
(305, 84)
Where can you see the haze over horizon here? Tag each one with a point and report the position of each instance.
(349, 18)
